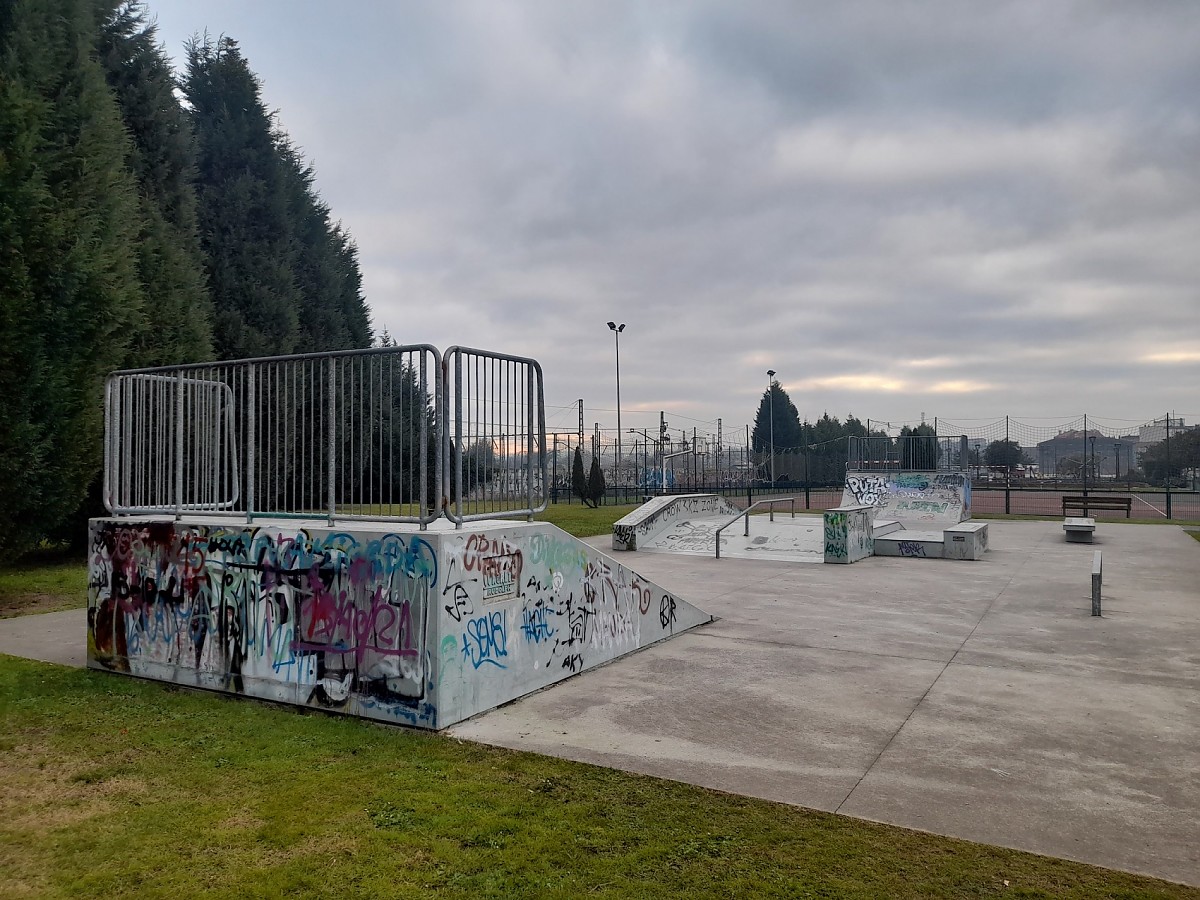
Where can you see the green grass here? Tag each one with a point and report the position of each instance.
(43, 582)
(579, 520)
(115, 788)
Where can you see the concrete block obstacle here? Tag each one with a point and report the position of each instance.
(848, 534)
(912, 544)
(966, 540)
(1097, 580)
(919, 515)
(1079, 529)
(375, 619)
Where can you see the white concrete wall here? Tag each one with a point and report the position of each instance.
(418, 628)
(917, 499)
(849, 536)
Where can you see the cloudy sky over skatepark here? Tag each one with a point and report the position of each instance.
(959, 209)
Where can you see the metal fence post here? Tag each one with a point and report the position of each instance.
(529, 426)
(251, 439)
(179, 445)
(1007, 472)
(331, 438)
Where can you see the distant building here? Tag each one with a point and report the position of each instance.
(1114, 456)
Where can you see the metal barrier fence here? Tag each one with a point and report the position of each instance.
(358, 434)
(921, 453)
(497, 450)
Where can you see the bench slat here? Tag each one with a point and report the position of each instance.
(1086, 504)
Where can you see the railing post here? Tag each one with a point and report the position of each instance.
(179, 444)
(529, 426)
(331, 438)
(251, 439)
(456, 451)
(423, 465)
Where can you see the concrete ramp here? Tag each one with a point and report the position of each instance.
(688, 524)
(423, 628)
(924, 500)
(786, 539)
(659, 514)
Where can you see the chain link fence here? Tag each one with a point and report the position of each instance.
(1017, 466)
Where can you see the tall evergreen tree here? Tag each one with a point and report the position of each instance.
(283, 277)
(177, 312)
(776, 402)
(579, 481)
(333, 315)
(245, 229)
(596, 487)
(69, 293)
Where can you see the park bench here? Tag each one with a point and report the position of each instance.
(1086, 504)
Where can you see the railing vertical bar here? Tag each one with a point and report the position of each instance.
(458, 437)
(423, 465)
(331, 437)
(179, 445)
(251, 439)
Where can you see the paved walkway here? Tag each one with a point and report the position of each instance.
(975, 699)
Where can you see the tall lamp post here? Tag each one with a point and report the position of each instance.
(771, 413)
(616, 330)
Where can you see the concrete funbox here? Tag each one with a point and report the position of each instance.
(422, 628)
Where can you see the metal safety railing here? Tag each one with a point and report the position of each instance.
(921, 453)
(497, 435)
(745, 514)
(358, 434)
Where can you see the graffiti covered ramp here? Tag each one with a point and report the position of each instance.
(791, 540)
(423, 628)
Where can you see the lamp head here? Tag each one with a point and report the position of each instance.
(617, 328)
(770, 373)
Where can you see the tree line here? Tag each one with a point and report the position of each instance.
(147, 217)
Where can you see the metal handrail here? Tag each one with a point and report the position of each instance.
(746, 515)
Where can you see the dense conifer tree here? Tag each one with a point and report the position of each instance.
(245, 230)
(283, 277)
(69, 293)
(177, 312)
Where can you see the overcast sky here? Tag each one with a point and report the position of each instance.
(956, 208)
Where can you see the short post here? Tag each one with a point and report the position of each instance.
(1097, 579)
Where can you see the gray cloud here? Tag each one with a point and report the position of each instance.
(944, 207)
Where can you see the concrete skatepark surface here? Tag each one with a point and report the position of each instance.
(976, 700)
(980, 701)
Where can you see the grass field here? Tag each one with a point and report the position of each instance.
(120, 788)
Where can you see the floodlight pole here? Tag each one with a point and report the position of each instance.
(616, 330)
(771, 413)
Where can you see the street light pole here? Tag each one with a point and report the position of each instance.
(771, 413)
(616, 330)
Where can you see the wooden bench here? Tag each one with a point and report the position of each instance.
(1086, 504)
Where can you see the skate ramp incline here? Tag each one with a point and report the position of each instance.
(658, 514)
(370, 618)
(798, 539)
(917, 500)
